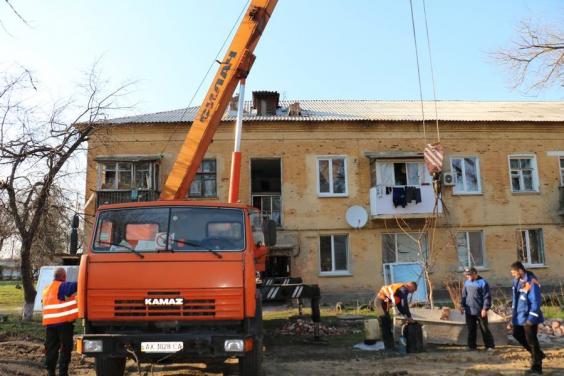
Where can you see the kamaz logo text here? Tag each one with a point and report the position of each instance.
(164, 302)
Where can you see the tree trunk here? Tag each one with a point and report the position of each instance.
(27, 281)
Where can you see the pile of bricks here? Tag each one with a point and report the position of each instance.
(550, 330)
(305, 327)
(552, 327)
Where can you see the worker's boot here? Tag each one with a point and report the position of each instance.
(535, 370)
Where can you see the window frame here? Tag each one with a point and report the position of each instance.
(395, 234)
(528, 248)
(478, 175)
(152, 172)
(535, 173)
(561, 169)
(484, 265)
(333, 272)
(200, 175)
(330, 158)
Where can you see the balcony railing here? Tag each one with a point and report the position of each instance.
(382, 204)
(118, 197)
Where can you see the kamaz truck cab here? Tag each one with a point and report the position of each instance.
(173, 282)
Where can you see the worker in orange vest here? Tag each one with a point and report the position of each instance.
(389, 296)
(60, 309)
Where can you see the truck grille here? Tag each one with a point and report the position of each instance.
(198, 304)
(190, 307)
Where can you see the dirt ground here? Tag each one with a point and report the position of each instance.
(299, 357)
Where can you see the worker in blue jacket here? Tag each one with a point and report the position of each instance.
(475, 302)
(527, 314)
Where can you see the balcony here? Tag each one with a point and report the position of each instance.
(118, 197)
(382, 205)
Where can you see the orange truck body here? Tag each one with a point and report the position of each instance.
(157, 306)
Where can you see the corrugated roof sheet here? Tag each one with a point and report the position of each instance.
(374, 110)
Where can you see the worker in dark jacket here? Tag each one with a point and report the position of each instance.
(389, 296)
(60, 309)
(475, 302)
(527, 314)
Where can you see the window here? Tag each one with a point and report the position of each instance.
(197, 229)
(332, 176)
(333, 254)
(205, 181)
(269, 205)
(470, 248)
(397, 248)
(562, 171)
(391, 174)
(523, 174)
(467, 174)
(530, 247)
(114, 175)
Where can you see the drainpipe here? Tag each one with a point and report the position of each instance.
(236, 156)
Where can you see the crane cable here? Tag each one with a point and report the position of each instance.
(432, 72)
(212, 64)
(419, 71)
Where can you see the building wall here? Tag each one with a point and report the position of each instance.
(497, 211)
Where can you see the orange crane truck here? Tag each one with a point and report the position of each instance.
(174, 280)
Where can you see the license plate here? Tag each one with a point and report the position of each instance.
(161, 347)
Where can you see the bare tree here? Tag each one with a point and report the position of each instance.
(34, 149)
(536, 57)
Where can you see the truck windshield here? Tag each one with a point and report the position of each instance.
(176, 229)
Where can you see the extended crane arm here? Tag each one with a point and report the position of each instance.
(235, 66)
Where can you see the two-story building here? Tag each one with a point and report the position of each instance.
(306, 163)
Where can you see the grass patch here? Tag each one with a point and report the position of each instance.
(15, 328)
(11, 298)
(552, 312)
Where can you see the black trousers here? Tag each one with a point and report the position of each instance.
(58, 346)
(386, 326)
(527, 337)
(473, 322)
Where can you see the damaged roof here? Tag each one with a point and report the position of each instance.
(376, 110)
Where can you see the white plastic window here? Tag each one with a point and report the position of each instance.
(530, 246)
(332, 176)
(466, 173)
(523, 170)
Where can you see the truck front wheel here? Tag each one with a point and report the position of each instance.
(250, 364)
(106, 366)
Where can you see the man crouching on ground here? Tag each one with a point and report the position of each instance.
(394, 295)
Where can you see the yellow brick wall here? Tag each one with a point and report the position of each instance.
(496, 211)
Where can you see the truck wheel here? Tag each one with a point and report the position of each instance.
(106, 366)
(250, 364)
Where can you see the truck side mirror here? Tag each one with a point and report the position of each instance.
(269, 231)
(73, 246)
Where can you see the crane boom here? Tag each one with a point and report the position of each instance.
(235, 66)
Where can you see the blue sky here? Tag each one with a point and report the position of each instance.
(314, 49)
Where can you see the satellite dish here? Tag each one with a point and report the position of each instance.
(356, 216)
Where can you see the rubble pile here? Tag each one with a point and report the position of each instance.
(305, 327)
(550, 330)
(552, 327)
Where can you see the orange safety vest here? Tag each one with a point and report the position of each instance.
(57, 311)
(388, 294)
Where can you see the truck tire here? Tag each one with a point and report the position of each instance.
(106, 366)
(251, 363)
